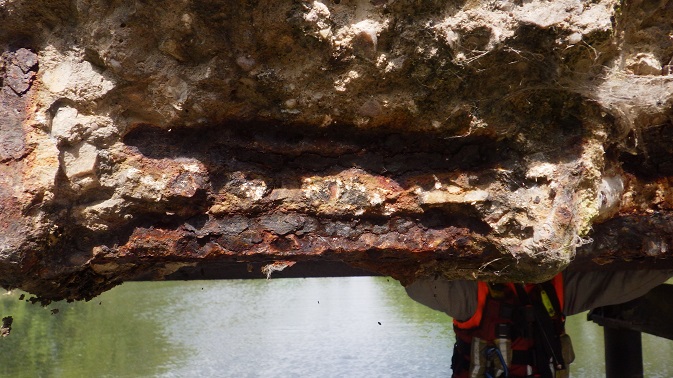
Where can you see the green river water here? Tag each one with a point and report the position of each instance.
(313, 327)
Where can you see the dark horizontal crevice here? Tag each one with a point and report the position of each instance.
(215, 270)
(270, 148)
(456, 215)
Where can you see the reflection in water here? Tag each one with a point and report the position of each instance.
(317, 327)
(308, 328)
(104, 337)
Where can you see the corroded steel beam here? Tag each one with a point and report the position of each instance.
(499, 141)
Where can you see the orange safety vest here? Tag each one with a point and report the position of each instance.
(501, 308)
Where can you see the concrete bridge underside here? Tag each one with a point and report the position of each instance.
(490, 140)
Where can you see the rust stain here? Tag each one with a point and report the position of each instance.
(358, 243)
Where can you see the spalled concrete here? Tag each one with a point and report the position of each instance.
(499, 140)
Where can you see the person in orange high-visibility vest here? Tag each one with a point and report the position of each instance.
(518, 330)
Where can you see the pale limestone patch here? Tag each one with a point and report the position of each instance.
(441, 197)
(136, 184)
(504, 18)
(345, 193)
(541, 170)
(319, 17)
(148, 183)
(99, 216)
(538, 168)
(341, 83)
(644, 64)
(79, 165)
(80, 160)
(69, 126)
(365, 31)
(43, 164)
(596, 16)
(254, 190)
(193, 167)
(546, 14)
(69, 76)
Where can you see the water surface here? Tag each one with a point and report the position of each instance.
(314, 327)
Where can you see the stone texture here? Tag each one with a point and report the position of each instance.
(501, 140)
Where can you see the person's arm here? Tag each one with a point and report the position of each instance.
(458, 299)
(587, 290)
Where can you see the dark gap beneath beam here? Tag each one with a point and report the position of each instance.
(215, 270)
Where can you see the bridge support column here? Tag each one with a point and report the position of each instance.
(623, 353)
(623, 325)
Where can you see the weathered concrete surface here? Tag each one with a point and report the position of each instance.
(491, 139)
